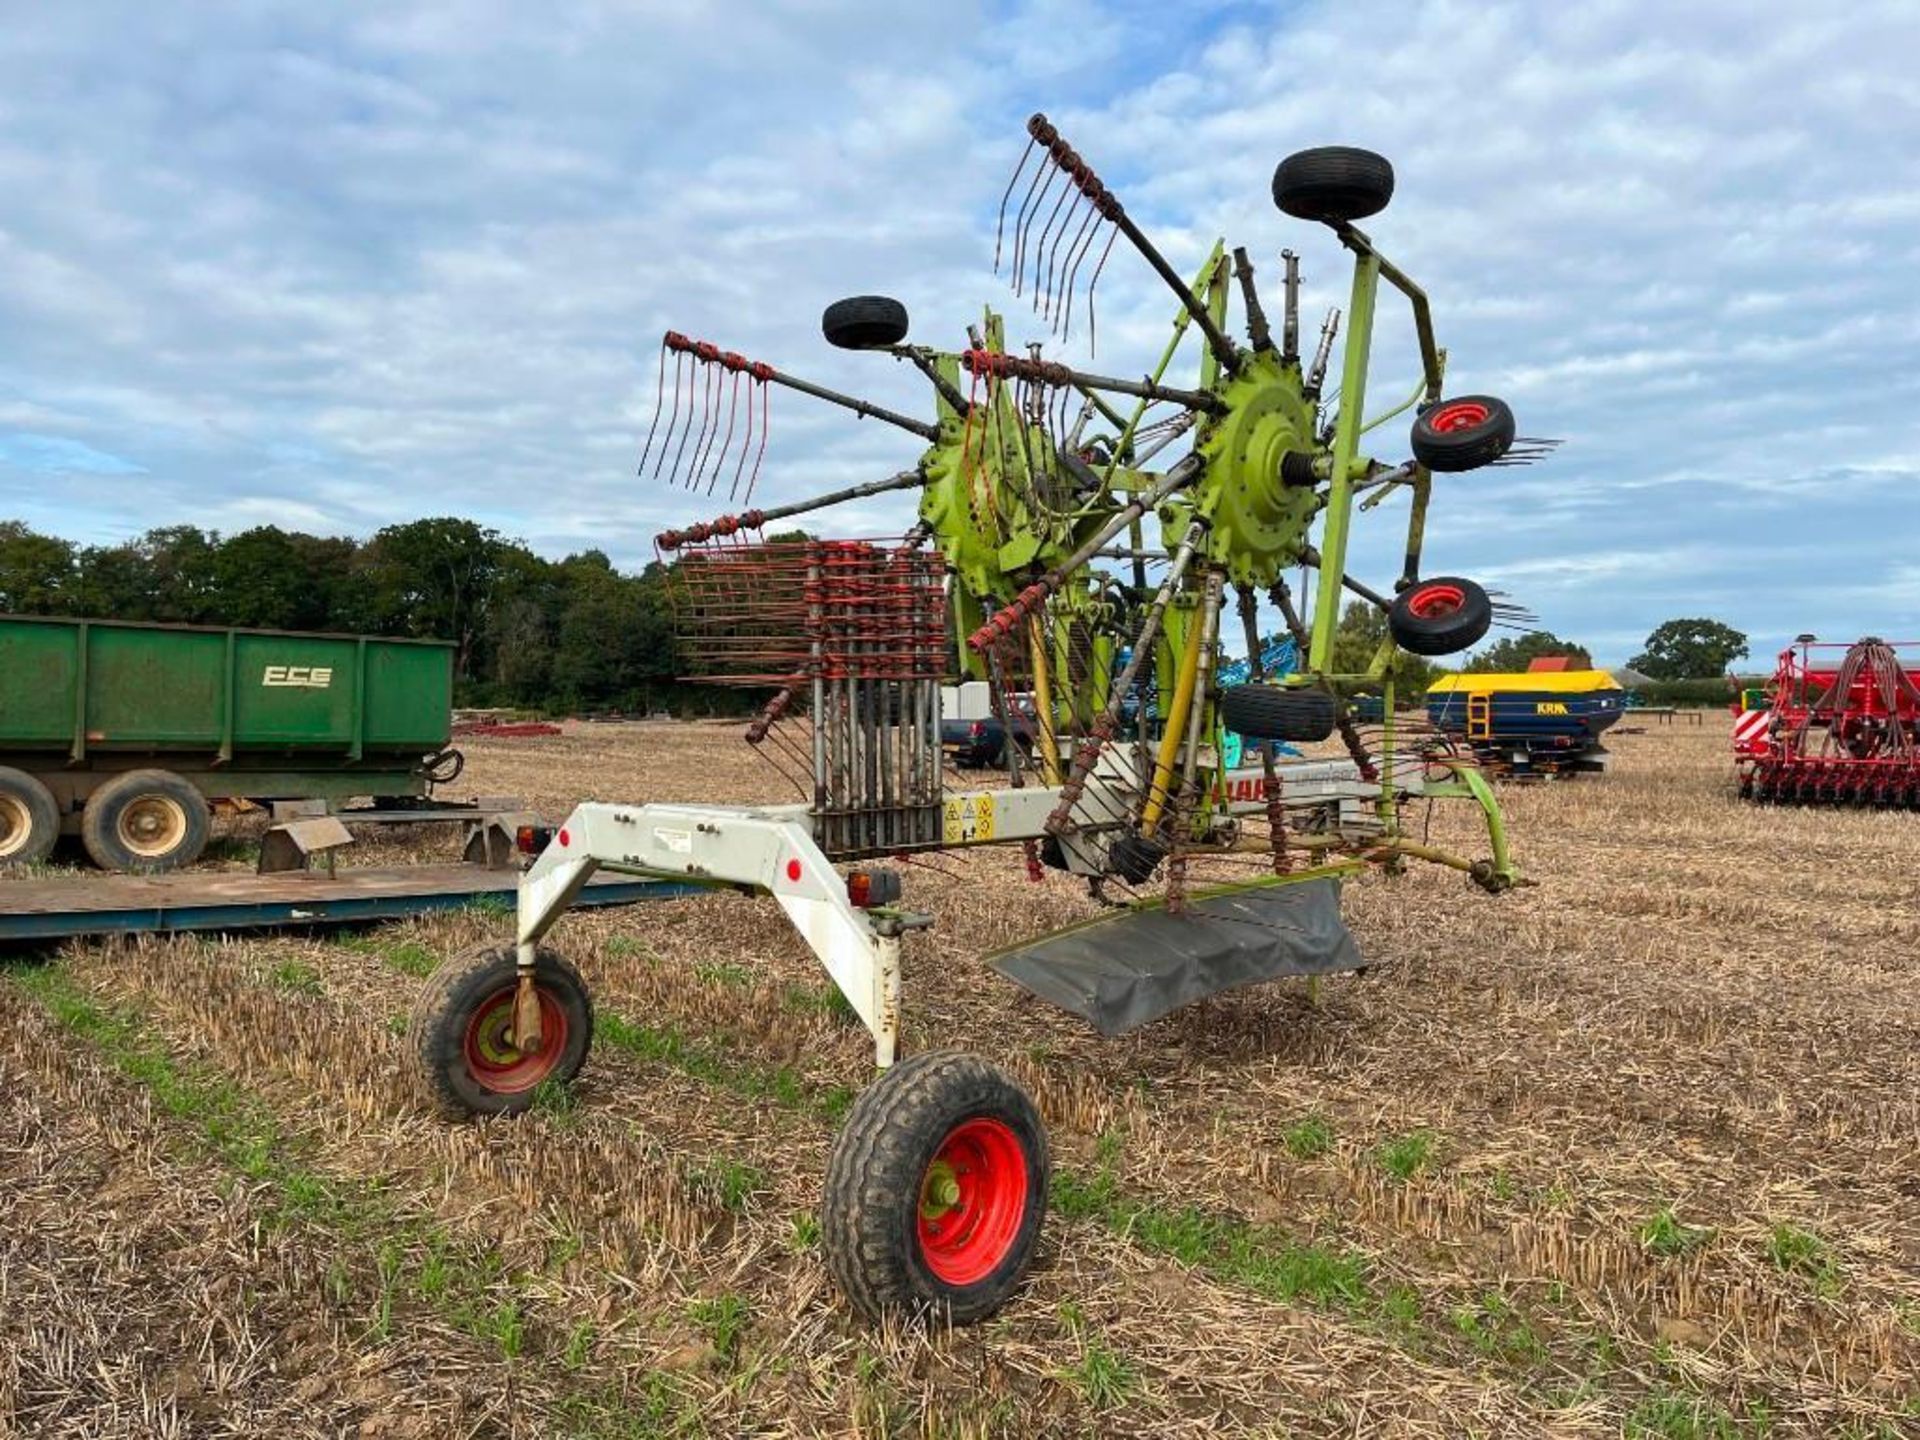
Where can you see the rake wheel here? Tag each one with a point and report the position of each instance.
(936, 1190)
(1333, 183)
(864, 322)
(1267, 712)
(1442, 616)
(1463, 433)
(461, 1020)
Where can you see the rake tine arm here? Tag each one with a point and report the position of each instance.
(1048, 372)
(755, 519)
(1258, 333)
(712, 355)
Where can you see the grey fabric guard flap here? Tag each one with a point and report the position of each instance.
(1130, 969)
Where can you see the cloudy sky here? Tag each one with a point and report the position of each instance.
(334, 266)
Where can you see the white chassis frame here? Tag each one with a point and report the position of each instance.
(772, 850)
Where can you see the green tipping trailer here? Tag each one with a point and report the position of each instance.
(123, 732)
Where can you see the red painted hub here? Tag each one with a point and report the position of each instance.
(1458, 415)
(973, 1199)
(1430, 602)
(492, 1058)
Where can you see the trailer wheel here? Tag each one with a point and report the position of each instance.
(864, 322)
(1462, 434)
(1334, 183)
(936, 1188)
(461, 1021)
(145, 822)
(1442, 616)
(29, 819)
(1268, 712)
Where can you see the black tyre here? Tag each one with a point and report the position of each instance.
(1462, 434)
(936, 1189)
(1134, 858)
(145, 822)
(461, 1020)
(29, 819)
(1333, 183)
(1267, 712)
(864, 322)
(1442, 616)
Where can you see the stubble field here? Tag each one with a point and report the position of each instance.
(1634, 1151)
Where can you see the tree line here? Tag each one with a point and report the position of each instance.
(558, 635)
(561, 635)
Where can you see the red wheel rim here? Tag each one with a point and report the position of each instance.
(972, 1200)
(493, 1060)
(1457, 415)
(1430, 602)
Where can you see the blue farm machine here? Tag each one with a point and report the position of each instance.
(1528, 724)
(1080, 541)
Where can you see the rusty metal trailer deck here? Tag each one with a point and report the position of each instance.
(60, 907)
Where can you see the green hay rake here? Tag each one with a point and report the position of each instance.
(1058, 560)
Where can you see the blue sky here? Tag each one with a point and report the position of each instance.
(338, 266)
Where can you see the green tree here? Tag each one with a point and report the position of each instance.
(1515, 652)
(36, 571)
(1690, 650)
(430, 579)
(614, 640)
(268, 578)
(165, 575)
(1358, 637)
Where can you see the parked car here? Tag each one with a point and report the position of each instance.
(981, 742)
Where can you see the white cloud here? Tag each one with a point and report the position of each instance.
(345, 268)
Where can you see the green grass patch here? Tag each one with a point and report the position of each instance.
(1405, 1156)
(721, 1319)
(222, 1122)
(1797, 1251)
(724, 972)
(818, 1000)
(1262, 1258)
(1494, 1328)
(1669, 1415)
(1104, 1378)
(1309, 1138)
(296, 977)
(1665, 1234)
(731, 1182)
(669, 1045)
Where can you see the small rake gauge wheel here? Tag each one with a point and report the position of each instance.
(1464, 433)
(936, 1190)
(1333, 183)
(1442, 616)
(864, 322)
(1268, 712)
(461, 1023)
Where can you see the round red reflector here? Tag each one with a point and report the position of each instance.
(564, 841)
(793, 869)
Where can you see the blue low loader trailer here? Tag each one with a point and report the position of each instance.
(1530, 723)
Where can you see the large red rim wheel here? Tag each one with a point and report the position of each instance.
(497, 1064)
(461, 1031)
(936, 1191)
(972, 1200)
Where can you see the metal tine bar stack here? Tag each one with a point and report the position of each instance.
(851, 637)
